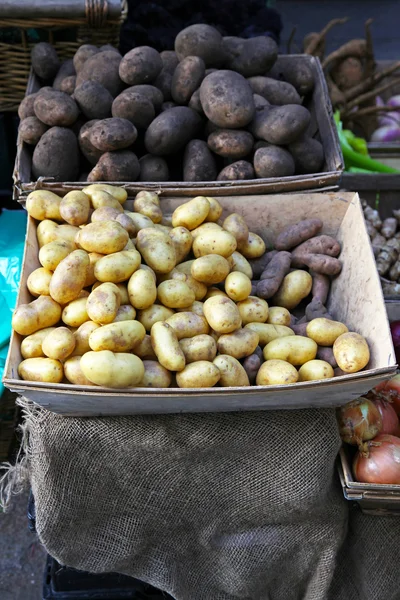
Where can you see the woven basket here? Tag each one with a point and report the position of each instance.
(95, 27)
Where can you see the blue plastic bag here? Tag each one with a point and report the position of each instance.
(12, 241)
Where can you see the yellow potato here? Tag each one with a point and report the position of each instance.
(324, 331)
(142, 289)
(232, 372)
(69, 277)
(278, 315)
(187, 324)
(51, 254)
(175, 294)
(155, 375)
(104, 237)
(31, 346)
(196, 307)
(237, 286)
(114, 370)
(153, 314)
(191, 214)
(166, 347)
(81, 336)
(90, 276)
(42, 312)
(214, 291)
(125, 313)
(117, 337)
(59, 344)
(157, 249)
(45, 370)
(48, 231)
(215, 210)
(148, 204)
(118, 266)
(74, 314)
(38, 282)
(75, 207)
(123, 293)
(295, 349)
(200, 374)
(214, 242)
(294, 287)
(199, 347)
(237, 262)
(239, 343)
(140, 221)
(254, 247)
(106, 213)
(204, 227)
(150, 270)
(163, 228)
(182, 240)
(101, 198)
(253, 310)
(42, 205)
(236, 225)
(351, 352)
(144, 349)
(314, 370)
(130, 245)
(222, 314)
(116, 192)
(267, 332)
(199, 289)
(276, 372)
(103, 303)
(210, 269)
(185, 267)
(73, 371)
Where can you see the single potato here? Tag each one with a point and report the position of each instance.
(182, 240)
(278, 315)
(210, 269)
(125, 313)
(199, 374)
(42, 205)
(237, 286)
(214, 242)
(215, 210)
(295, 349)
(48, 231)
(294, 287)
(38, 282)
(254, 247)
(276, 372)
(314, 370)
(142, 289)
(117, 337)
(74, 314)
(191, 214)
(199, 347)
(75, 208)
(116, 192)
(154, 314)
(205, 227)
(236, 225)
(73, 371)
(238, 344)
(351, 352)
(222, 314)
(148, 204)
(104, 237)
(103, 303)
(140, 221)
(45, 370)
(51, 254)
(101, 198)
(117, 267)
(238, 262)
(69, 277)
(157, 249)
(42, 312)
(31, 346)
(267, 332)
(144, 349)
(324, 331)
(253, 310)
(114, 370)
(59, 344)
(188, 324)
(166, 347)
(155, 375)
(232, 372)
(175, 294)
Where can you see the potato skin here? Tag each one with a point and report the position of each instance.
(187, 77)
(46, 370)
(227, 99)
(230, 143)
(295, 349)
(83, 53)
(142, 289)
(267, 332)
(140, 65)
(38, 314)
(275, 92)
(31, 346)
(48, 157)
(166, 347)
(59, 343)
(104, 237)
(172, 130)
(45, 61)
(253, 310)
(153, 168)
(198, 162)
(117, 337)
(199, 347)
(135, 107)
(322, 244)
(214, 242)
(102, 67)
(38, 282)
(103, 303)
(295, 286)
(210, 269)
(308, 155)
(157, 249)
(116, 370)
(155, 375)
(222, 314)
(232, 372)
(75, 207)
(273, 162)
(43, 204)
(69, 277)
(296, 234)
(273, 275)
(253, 56)
(73, 371)
(351, 352)
(151, 92)
(276, 372)
(324, 331)
(56, 109)
(93, 99)
(239, 343)
(117, 267)
(195, 102)
(187, 324)
(200, 40)
(121, 165)
(112, 134)
(251, 365)
(31, 130)
(26, 107)
(90, 152)
(297, 72)
(280, 125)
(200, 374)
(237, 171)
(314, 370)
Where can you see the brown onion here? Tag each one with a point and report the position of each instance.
(390, 421)
(359, 421)
(379, 461)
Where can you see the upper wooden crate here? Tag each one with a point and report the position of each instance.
(322, 127)
(80, 21)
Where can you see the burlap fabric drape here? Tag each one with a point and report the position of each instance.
(209, 506)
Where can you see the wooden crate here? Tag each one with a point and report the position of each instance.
(322, 127)
(355, 298)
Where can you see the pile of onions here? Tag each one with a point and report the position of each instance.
(390, 420)
(379, 461)
(359, 421)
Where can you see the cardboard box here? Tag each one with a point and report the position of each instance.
(355, 298)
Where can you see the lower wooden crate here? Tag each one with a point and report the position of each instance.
(373, 498)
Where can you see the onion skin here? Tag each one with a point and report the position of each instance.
(390, 390)
(390, 420)
(387, 133)
(390, 119)
(382, 465)
(359, 421)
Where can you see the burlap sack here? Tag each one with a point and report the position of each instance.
(206, 507)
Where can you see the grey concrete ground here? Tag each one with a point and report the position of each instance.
(22, 557)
